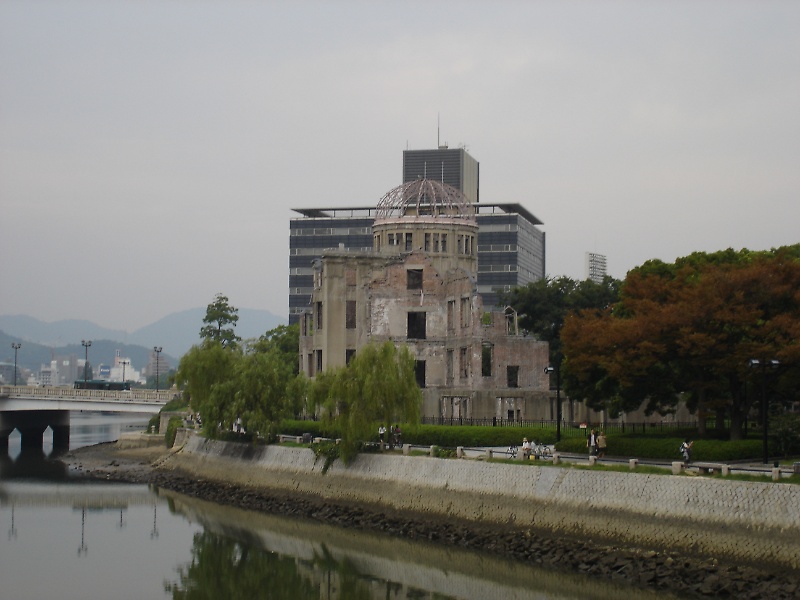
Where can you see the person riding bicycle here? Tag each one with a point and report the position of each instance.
(686, 450)
(398, 436)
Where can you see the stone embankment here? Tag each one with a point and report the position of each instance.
(743, 522)
(694, 536)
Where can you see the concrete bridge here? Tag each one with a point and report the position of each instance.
(30, 409)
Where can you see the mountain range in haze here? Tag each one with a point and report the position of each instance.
(175, 333)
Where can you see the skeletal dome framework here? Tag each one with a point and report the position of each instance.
(425, 198)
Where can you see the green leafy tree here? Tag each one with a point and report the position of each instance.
(256, 396)
(201, 372)
(251, 386)
(297, 394)
(544, 304)
(378, 386)
(220, 322)
(283, 339)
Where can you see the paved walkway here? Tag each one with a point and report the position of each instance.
(752, 468)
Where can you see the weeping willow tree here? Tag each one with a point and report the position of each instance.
(378, 386)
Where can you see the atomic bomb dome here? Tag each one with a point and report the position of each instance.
(425, 199)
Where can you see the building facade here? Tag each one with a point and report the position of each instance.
(510, 247)
(595, 267)
(417, 286)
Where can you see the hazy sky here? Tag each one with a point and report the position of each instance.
(150, 152)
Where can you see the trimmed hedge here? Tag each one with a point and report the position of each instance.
(474, 436)
(315, 428)
(656, 446)
(667, 448)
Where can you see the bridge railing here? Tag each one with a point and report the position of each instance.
(135, 395)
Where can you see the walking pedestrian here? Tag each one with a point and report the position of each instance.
(591, 443)
(602, 443)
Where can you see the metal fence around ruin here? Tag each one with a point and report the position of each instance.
(569, 429)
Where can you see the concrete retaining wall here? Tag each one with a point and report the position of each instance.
(738, 520)
(140, 440)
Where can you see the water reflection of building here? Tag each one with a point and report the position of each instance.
(340, 563)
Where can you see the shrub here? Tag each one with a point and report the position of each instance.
(154, 424)
(444, 452)
(786, 433)
(328, 449)
(172, 430)
(176, 405)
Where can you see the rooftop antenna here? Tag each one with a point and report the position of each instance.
(437, 130)
(425, 170)
(442, 171)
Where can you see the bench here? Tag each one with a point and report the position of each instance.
(708, 468)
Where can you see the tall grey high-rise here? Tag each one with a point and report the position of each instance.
(511, 249)
(453, 166)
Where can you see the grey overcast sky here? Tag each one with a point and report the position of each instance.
(151, 152)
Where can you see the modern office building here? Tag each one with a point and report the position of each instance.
(511, 249)
(595, 267)
(316, 230)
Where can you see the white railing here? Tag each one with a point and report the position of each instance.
(62, 393)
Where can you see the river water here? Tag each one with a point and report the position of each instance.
(66, 539)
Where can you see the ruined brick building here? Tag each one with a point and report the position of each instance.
(418, 287)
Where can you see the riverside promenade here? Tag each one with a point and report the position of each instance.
(735, 521)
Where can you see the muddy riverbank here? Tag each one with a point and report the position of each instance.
(680, 573)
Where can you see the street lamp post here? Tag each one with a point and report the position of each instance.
(16, 346)
(773, 364)
(86, 344)
(124, 362)
(557, 370)
(157, 350)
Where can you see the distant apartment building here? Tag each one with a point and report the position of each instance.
(595, 267)
(510, 247)
(157, 365)
(62, 370)
(122, 370)
(7, 373)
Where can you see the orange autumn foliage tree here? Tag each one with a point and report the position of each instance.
(689, 329)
